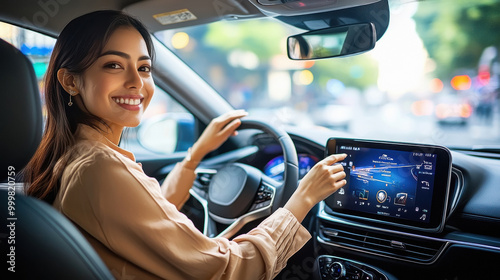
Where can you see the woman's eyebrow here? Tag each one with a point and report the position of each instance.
(122, 54)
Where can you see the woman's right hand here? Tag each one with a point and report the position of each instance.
(321, 181)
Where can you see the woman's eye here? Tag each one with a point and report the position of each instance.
(113, 66)
(145, 68)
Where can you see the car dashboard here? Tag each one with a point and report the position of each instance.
(346, 247)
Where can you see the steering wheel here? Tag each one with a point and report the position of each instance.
(239, 193)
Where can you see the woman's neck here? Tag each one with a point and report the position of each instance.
(112, 132)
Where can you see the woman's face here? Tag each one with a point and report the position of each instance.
(118, 86)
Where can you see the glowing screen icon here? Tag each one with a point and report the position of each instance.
(401, 199)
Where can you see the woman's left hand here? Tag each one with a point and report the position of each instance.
(216, 133)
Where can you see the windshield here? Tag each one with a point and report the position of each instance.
(432, 77)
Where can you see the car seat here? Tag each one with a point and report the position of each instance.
(36, 241)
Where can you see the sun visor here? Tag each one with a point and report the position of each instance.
(170, 14)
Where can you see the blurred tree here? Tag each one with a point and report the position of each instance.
(258, 36)
(455, 32)
(267, 38)
(359, 71)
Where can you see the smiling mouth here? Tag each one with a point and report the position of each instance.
(127, 101)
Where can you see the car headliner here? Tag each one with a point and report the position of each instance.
(50, 16)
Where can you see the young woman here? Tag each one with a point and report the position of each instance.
(98, 82)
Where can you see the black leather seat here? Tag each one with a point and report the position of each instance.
(39, 243)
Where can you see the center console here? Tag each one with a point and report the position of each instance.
(395, 199)
(335, 268)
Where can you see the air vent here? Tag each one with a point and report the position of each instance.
(456, 186)
(420, 250)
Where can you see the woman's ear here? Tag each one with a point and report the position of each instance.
(67, 81)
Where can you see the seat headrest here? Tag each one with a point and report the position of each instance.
(21, 122)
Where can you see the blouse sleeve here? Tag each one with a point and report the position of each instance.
(125, 210)
(176, 186)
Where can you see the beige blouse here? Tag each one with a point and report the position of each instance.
(139, 234)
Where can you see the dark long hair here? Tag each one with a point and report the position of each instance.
(77, 48)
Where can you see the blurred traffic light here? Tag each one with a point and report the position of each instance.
(436, 85)
(461, 82)
(483, 77)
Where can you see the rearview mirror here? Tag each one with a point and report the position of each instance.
(332, 42)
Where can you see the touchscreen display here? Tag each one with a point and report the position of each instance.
(402, 184)
(388, 183)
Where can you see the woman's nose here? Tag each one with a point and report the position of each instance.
(134, 79)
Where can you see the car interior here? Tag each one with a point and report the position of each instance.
(411, 209)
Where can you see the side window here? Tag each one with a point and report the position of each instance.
(37, 47)
(166, 127)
